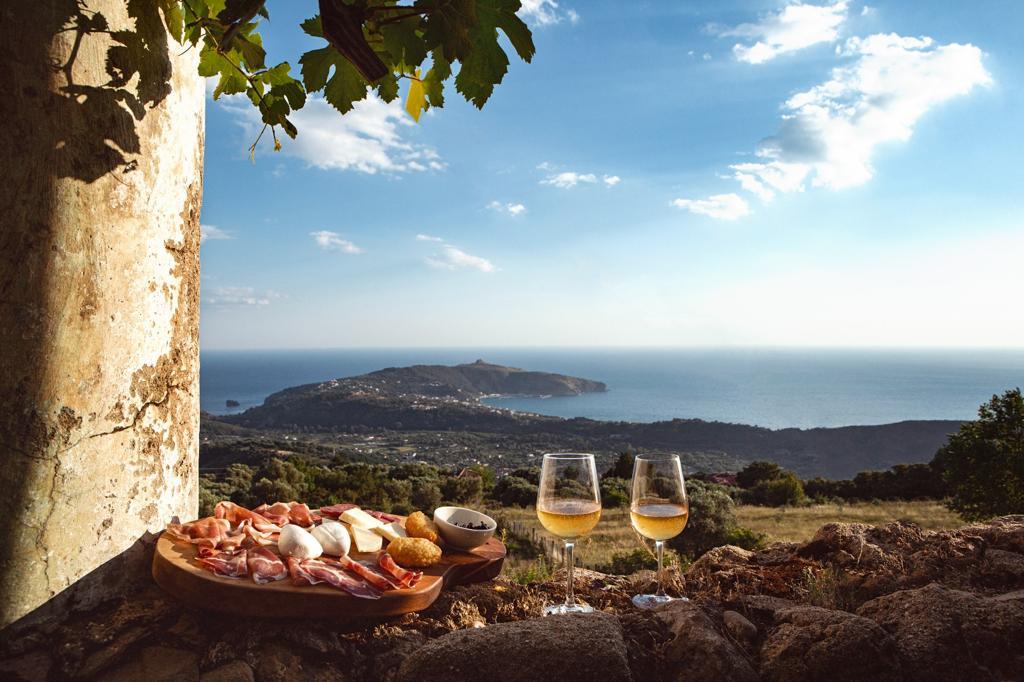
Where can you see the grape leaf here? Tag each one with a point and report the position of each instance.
(448, 24)
(387, 87)
(345, 87)
(415, 100)
(316, 67)
(402, 43)
(313, 27)
(433, 82)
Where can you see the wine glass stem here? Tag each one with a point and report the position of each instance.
(570, 598)
(659, 550)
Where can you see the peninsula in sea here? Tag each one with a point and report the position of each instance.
(436, 413)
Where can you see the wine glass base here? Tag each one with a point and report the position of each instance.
(649, 601)
(559, 609)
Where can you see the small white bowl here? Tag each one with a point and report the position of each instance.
(457, 536)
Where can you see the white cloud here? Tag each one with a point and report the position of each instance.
(830, 132)
(212, 232)
(427, 238)
(332, 241)
(612, 180)
(546, 13)
(792, 28)
(569, 179)
(228, 296)
(718, 206)
(510, 208)
(706, 56)
(368, 139)
(454, 258)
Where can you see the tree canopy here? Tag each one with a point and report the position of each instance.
(369, 45)
(983, 463)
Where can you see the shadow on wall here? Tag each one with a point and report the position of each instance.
(54, 128)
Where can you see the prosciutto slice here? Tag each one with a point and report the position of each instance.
(336, 510)
(363, 571)
(381, 516)
(208, 532)
(403, 576)
(227, 564)
(314, 571)
(287, 512)
(265, 566)
(236, 513)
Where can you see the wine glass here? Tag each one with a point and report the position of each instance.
(569, 506)
(659, 511)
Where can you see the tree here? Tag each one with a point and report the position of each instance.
(784, 490)
(712, 522)
(615, 492)
(513, 491)
(983, 463)
(99, 253)
(623, 467)
(758, 471)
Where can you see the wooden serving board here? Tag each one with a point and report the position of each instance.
(175, 570)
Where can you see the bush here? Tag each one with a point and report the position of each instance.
(983, 463)
(615, 492)
(628, 563)
(467, 490)
(623, 467)
(712, 517)
(745, 538)
(513, 491)
(786, 490)
(426, 495)
(757, 472)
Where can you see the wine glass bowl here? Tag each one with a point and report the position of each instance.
(659, 510)
(568, 506)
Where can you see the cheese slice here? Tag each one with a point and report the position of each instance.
(357, 518)
(391, 531)
(365, 540)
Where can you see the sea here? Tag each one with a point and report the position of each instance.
(775, 388)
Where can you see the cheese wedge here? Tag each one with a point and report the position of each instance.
(357, 518)
(391, 531)
(365, 540)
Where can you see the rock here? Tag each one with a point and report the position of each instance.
(281, 664)
(577, 646)
(812, 643)
(237, 671)
(946, 634)
(699, 651)
(157, 664)
(33, 666)
(741, 629)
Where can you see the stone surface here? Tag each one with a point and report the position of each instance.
(812, 643)
(157, 664)
(232, 672)
(99, 269)
(945, 634)
(741, 629)
(578, 646)
(699, 651)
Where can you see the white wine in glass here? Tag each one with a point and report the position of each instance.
(659, 511)
(568, 506)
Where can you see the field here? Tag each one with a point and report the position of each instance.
(798, 524)
(614, 534)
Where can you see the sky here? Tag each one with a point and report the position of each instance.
(717, 173)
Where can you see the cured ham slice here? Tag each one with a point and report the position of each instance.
(314, 571)
(336, 510)
(365, 572)
(282, 513)
(207, 532)
(381, 516)
(265, 566)
(404, 576)
(227, 564)
(236, 513)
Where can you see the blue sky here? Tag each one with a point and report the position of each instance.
(663, 173)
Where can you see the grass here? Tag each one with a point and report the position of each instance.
(614, 534)
(798, 524)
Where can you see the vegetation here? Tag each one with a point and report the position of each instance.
(799, 524)
(712, 522)
(369, 45)
(983, 463)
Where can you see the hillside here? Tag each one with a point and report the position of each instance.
(430, 398)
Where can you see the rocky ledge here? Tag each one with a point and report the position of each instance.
(856, 602)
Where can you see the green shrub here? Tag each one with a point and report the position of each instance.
(628, 563)
(467, 490)
(757, 472)
(513, 491)
(745, 538)
(615, 492)
(785, 490)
